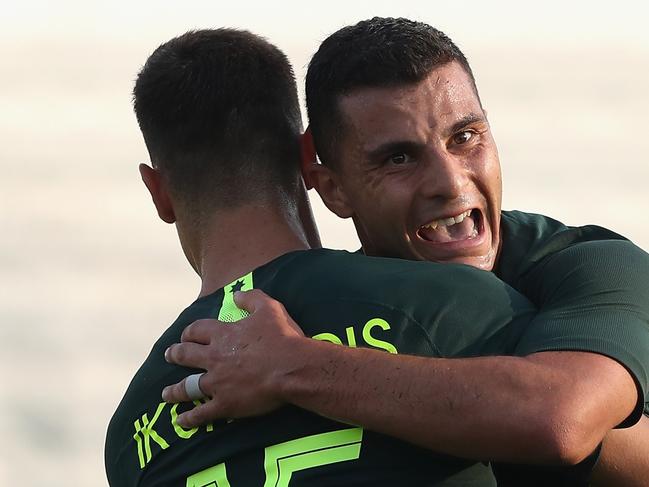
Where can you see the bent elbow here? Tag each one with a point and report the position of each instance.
(569, 439)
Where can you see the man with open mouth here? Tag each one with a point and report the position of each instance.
(408, 154)
(220, 116)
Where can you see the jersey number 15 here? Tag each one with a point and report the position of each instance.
(281, 460)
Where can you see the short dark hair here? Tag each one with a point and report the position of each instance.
(379, 52)
(219, 109)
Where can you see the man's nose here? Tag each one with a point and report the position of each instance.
(445, 175)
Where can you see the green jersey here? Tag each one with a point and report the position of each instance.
(591, 287)
(393, 305)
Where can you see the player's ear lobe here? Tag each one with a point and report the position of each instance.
(157, 188)
(327, 183)
(307, 156)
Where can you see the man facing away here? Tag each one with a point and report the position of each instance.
(220, 117)
(406, 149)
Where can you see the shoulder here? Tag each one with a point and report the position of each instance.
(337, 272)
(520, 224)
(445, 299)
(529, 224)
(595, 266)
(529, 238)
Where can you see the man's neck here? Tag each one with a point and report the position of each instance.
(237, 241)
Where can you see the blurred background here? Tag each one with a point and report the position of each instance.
(89, 277)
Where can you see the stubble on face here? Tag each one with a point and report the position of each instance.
(420, 170)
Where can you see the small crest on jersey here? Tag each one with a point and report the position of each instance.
(229, 311)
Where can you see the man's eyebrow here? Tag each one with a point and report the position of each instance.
(467, 120)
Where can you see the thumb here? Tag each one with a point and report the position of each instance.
(251, 300)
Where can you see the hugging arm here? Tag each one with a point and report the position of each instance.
(546, 408)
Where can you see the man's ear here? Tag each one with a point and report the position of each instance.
(308, 156)
(327, 183)
(154, 183)
(323, 179)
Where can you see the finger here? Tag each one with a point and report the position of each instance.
(255, 301)
(177, 392)
(189, 354)
(294, 326)
(251, 300)
(200, 415)
(200, 331)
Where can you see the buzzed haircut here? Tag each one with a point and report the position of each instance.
(220, 116)
(377, 53)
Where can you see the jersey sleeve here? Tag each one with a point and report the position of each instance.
(594, 297)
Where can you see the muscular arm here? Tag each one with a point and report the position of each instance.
(547, 407)
(464, 406)
(565, 402)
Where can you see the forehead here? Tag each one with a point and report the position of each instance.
(437, 102)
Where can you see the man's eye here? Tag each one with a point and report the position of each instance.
(463, 137)
(398, 158)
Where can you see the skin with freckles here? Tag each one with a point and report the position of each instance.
(413, 156)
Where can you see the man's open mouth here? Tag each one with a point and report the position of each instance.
(464, 226)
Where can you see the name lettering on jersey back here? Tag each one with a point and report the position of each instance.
(145, 430)
(154, 435)
(368, 334)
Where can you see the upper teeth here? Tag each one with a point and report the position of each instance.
(445, 222)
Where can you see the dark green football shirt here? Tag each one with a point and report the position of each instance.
(591, 287)
(394, 305)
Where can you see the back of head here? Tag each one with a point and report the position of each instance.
(221, 119)
(375, 53)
